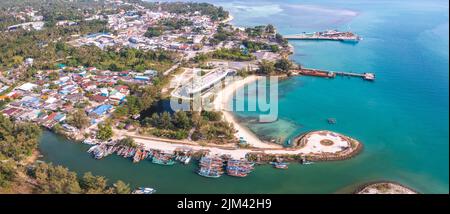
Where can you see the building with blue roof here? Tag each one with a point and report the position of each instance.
(60, 117)
(101, 110)
(64, 92)
(32, 102)
(142, 78)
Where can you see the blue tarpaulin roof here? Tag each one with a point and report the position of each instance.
(59, 117)
(101, 109)
(145, 78)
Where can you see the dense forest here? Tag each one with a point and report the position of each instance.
(17, 140)
(203, 125)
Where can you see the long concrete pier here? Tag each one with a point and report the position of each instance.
(337, 38)
(332, 74)
(332, 35)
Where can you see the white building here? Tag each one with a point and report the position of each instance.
(27, 86)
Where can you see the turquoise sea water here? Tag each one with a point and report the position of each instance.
(402, 117)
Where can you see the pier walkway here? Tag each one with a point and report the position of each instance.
(334, 38)
(332, 35)
(332, 74)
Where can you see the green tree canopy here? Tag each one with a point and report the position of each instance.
(93, 184)
(104, 132)
(153, 32)
(266, 67)
(8, 172)
(121, 187)
(18, 140)
(270, 29)
(79, 119)
(127, 141)
(283, 65)
(181, 120)
(56, 179)
(166, 120)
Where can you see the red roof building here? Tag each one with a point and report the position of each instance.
(98, 98)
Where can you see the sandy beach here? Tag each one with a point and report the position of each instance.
(221, 103)
(229, 19)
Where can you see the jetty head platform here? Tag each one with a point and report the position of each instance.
(332, 35)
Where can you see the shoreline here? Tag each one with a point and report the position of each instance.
(222, 103)
(343, 149)
(229, 19)
(310, 150)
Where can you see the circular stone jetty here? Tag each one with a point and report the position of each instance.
(327, 145)
(385, 188)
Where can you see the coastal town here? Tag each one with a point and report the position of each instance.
(54, 94)
(167, 55)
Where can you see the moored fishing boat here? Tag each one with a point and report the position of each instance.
(211, 167)
(99, 152)
(163, 162)
(209, 173)
(110, 149)
(90, 150)
(239, 168)
(144, 154)
(99, 155)
(144, 190)
(126, 151)
(130, 153)
(304, 161)
(149, 154)
(187, 160)
(307, 163)
(90, 141)
(236, 173)
(280, 165)
(163, 159)
(137, 156)
(120, 150)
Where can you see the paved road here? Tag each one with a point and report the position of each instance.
(171, 69)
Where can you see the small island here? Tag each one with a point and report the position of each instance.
(327, 145)
(311, 146)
